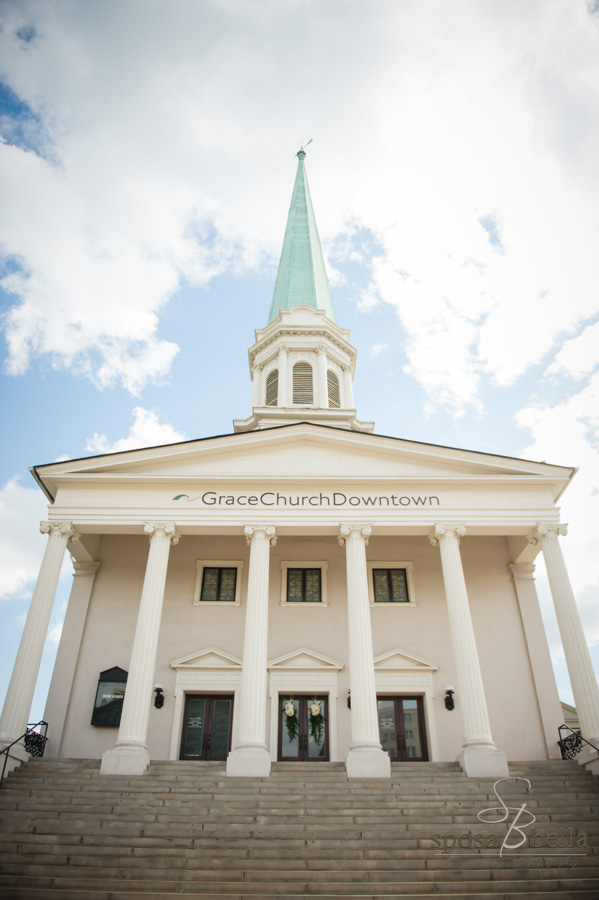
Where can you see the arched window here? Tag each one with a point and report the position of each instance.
(303, 391)
(333, 390)
(272, 388)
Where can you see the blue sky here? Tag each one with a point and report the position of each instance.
(146, 168)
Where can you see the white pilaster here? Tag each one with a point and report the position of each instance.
(479, 757)
(250, 756)
(66, 659)
(365, 759)
(130, 754)
(578, 660)
(550, 709)
(322, 398)
(24, 675)
(347, 401)
(282, 398)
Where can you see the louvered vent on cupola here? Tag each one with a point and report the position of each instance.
(303, 390)
(333, 390)
(272, 388)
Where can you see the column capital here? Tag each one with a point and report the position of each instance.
(439, 531)
(85, 568)
(522, 571)
(346, 530)
(543, 529)
(268, 531)
(166, 528)
(60, 528)
(283, 348)
(321, 349)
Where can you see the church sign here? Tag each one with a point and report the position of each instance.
(322, 499)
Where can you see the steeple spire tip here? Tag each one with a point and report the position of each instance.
(301, 153)
(301, 278)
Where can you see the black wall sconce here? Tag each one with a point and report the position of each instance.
(349, 699)
(159, 698)
(449, 701)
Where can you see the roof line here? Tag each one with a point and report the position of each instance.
(215, 437)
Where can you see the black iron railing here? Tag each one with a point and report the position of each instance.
(571, 745)
(33, 741)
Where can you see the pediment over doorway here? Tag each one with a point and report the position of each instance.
(399, 660)
(211, 658)
(305, 659)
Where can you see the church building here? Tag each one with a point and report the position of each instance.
(303, 588)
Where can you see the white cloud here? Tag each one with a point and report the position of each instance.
(21, 544)
(55, 633)
(377, 349)
(152, 175)
(579, 356)
(146, 431)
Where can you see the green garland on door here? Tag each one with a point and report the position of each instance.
(316, 721)
(291, 719)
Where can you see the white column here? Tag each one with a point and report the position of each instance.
(130, 754)
(250, 756)
(24, 675)
(578, 660)
(63, 675)
(365, 759)
(479, 757)
(322, 397)
(282, 398)
(348, 389)
(257, 399)
(550, 709)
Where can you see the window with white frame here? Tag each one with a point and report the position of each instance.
(218, 582)
(391, 584)
(304, 583)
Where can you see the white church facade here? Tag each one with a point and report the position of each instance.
(303, 588)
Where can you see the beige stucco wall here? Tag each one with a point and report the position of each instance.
(422, 630)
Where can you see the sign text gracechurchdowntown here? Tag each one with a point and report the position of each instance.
(333, 498)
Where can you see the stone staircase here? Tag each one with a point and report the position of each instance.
(184, 830)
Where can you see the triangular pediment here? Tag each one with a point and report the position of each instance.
(399, 660)
(211, 658)
(299, 451)
(305, 659)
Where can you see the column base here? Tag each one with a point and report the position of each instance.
(483, 762)
(589, 758)
(126, 759)
(248, 763)
(368, 763)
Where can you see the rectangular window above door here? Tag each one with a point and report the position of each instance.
(218, 582)
(391, 584)
(304, 583)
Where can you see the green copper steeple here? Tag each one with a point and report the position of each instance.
(302, 277)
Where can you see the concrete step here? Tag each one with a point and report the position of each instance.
(185, 829)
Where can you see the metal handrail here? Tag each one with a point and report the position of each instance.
(30, 730)
(571, 745)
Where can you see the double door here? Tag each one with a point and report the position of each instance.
(206, 726)
(401, 728)
(303, 729)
